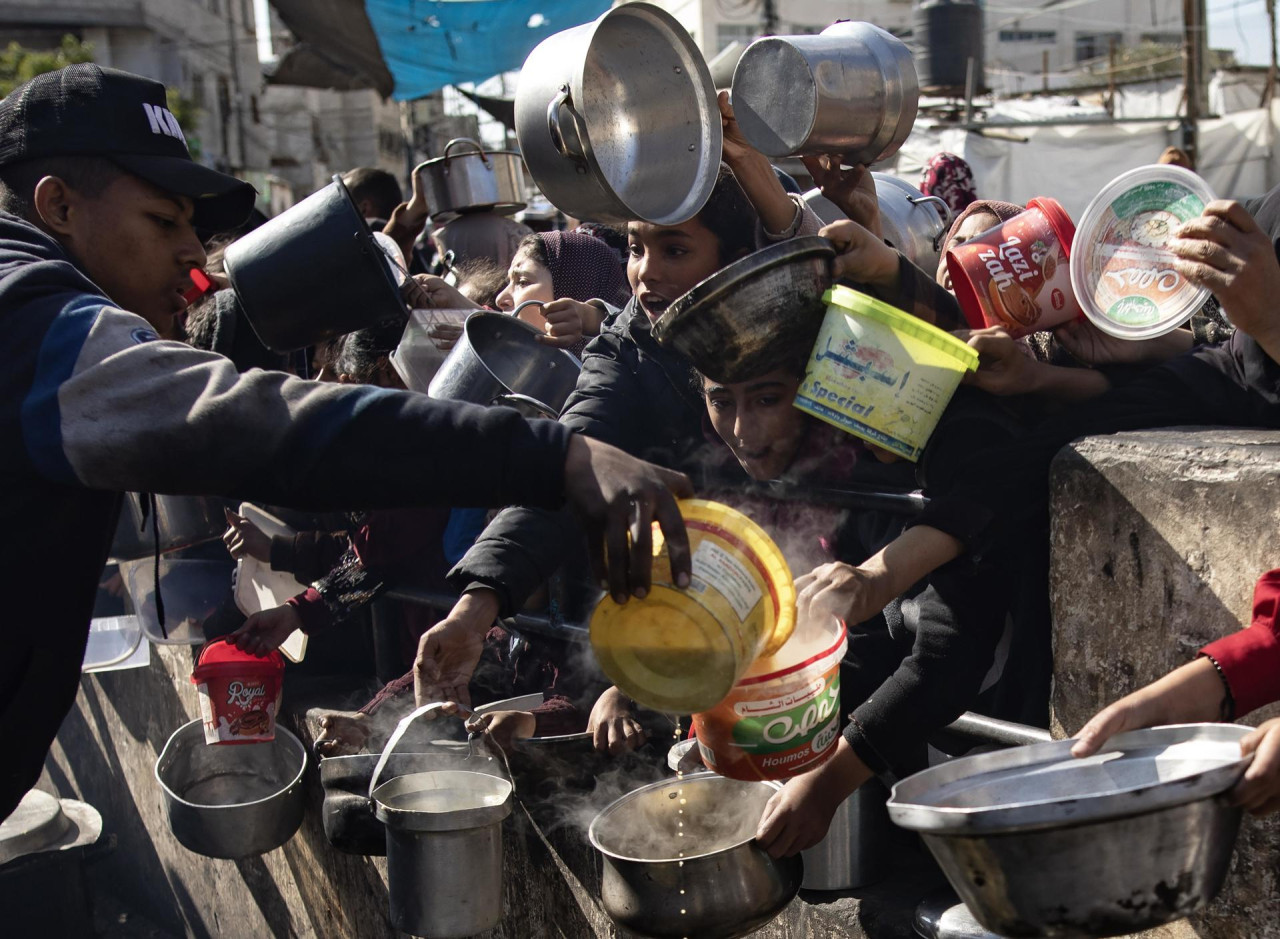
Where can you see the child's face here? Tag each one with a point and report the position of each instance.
(756, 419)
(974, 225)
(526, 280)
(665, 261)
(137, 243)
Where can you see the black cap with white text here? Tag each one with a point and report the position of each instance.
(93, 111)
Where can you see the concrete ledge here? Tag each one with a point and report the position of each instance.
(1157, 539)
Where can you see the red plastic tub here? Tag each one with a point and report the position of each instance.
(1018, 274)
(239, 693)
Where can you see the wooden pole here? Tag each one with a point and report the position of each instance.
(1269, 92)
(1044, 70)
(1190, 80)
(1111, 76)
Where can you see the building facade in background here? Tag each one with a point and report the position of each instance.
(1015, 41)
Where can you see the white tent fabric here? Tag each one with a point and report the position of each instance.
(1072, 162)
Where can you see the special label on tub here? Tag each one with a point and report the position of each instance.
(876, 382)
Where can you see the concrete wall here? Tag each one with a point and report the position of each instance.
(1157, 540)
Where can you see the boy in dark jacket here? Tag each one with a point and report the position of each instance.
(100, 202)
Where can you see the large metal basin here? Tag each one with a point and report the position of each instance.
(730, 325)
(231, 801)
(1037, 843)
(731, 885)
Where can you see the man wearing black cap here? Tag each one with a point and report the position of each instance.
(99, 205)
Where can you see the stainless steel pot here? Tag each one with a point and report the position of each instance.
(231, 801)
(851, 89)
(444, 844)
(731, 885)
(499, 355)
(181, 521)
(472, 180)
(1037, 843)
(912, 222)
(617, 119)
(853, 851)
(731, 324)
(312, 273)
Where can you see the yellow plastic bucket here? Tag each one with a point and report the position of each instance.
(881, 374)
(681, 651)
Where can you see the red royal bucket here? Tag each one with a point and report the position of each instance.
(239, 693)
(1018, 274)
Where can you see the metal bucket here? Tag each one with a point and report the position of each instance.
(617, 119)
(851, 90)
(312, 273)
(499, 355)
(231, 802)
(852, 853)
(444, 845)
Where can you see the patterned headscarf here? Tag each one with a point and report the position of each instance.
(1001, 210)
(948, 177)
(584, 268)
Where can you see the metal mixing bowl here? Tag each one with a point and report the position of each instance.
(1037, 843)
(732, 325)
(731, 885)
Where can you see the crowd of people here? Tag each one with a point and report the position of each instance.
(115, 385)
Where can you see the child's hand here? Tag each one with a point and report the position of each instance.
(612, 724)
(1259, 790)
(263, 632)
(798, 816)
(1005, 367)
(563, 322)
(852, 190)
(1225, 251)
(861, 256)
(503, 727)
(427, 291)
(736, 147)
(850, 593)
(245, 539)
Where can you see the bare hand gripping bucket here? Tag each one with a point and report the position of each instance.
(681, 651)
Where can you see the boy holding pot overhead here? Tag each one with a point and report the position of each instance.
(100, 204)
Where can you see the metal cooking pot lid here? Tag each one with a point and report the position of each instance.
(1043, 786)
(43, 822)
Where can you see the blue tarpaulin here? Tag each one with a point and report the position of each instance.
(428, 44)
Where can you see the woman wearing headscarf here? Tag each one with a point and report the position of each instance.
(575, 276)
(950, 178)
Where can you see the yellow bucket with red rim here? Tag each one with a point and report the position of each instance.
(682, 651)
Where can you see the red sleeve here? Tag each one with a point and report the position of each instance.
(557, 716)
(394, 689)
(311, 610)
(1250, 659)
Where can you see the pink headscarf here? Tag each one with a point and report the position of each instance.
(950, 178)
(584, 268)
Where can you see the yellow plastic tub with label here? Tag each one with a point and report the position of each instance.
(881, 374)
(681, 651)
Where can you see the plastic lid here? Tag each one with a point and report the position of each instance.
(1122, 272)
(220, 654)
(896, 319)
(1063, 228)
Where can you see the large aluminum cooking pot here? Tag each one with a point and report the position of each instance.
(617, 119)
(312, 273)
(468, 178)
(730, 325)
(1037, 843)
(499, 355)
(231, 801)
(851, 89)
(912, 222)
(731, 885)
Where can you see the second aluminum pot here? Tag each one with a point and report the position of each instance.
(853, 851)
(499, 355)
(851, 89)
(467, 178)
